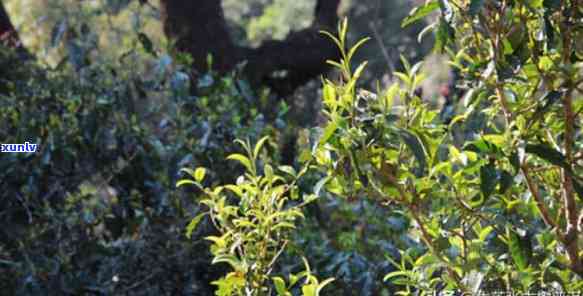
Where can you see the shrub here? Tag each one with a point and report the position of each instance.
(496, 207)
(98, 199)
(253, 218)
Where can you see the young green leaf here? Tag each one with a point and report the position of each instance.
(420, 12)
(186, 182)
(328, 132)
(193, 223)
(288, 170)
(518, 249)
(280, 288)
(259, 145)
(246, 162)
(390, 96)
(354, 48)
(309, 290)
(199, 174)
(359, 70)
(323, 284)
(229, 259)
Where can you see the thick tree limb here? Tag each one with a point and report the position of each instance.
(199, 28)
(11, 68)
(8, 34)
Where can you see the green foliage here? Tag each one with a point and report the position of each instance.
(56, 29)
(255, 21)
(406, 202)
(420, 12)
(253, 217)
(474, 197)
(112, 137)
(278, 19)
(311, 287)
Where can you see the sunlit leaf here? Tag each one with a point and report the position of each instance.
(485, 232)
(229, 259)
(288, 170)
(309, 290)
(518, 249)
(323, 284)
(359, 70)
(279, 284)
(199, 174)
(420, 12)
(355, 47)
(328, 132)
(193, 223)
(259, 145)
(185, 182)
(241, 159)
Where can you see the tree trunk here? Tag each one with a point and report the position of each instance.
(199, 28)
(8, 35)
(12, 53)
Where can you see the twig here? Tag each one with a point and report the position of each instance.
(571, 212)
(425, 236)
(137, 284)
(25, 205)
(537, 197)
(270, 266)
(377, 36)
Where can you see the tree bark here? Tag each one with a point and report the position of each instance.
(12, 53)
(199, 28)
(8, 35)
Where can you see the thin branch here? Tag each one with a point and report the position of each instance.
(377, 36)
(137, 284)
(425, 236)
(532, 187)
(427, 239)
(277, 255)
(571, 212)
(9, 35)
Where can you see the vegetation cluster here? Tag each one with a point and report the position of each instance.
(154, 177)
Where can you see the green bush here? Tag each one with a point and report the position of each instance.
(253, 230)
(112, 138)
(497, 208)
(491, 192)
(484, 195)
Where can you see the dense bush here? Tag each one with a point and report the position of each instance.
(254, 230)
(396, 196)
(97, 202)
(493, 192)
